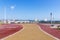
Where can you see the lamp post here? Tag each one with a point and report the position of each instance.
(51, 17)
(5, 11)
(4, 14)
(12, 8)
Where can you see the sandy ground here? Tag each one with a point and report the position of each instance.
(30, 32)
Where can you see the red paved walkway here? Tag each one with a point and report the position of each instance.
(8, 29)
(49, 30)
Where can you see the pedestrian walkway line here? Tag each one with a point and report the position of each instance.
(30, 32)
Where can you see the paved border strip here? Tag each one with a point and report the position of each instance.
(48, 33)
(13, 34)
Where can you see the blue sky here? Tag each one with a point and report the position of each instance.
(30, 9)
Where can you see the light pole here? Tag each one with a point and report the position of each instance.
(4, 14)
(5, 11)
(12, 8)
(51, 17)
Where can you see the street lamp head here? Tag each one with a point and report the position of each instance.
(51, 13)
(12, 7)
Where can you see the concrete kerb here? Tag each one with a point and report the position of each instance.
(48, 34)
(12, 34)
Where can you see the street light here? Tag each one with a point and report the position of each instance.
(51, 17)
(4, 14)
(5, 11)
(12, 8)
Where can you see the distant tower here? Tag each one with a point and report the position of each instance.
(51, 17)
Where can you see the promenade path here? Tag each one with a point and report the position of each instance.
(29, 32)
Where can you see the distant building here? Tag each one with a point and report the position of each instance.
(36, 20)
(19, 21)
